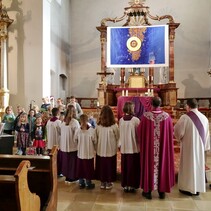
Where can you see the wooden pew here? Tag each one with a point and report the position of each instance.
(42, 175)
(14, 191)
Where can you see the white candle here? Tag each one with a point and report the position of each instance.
(123, 93)
(126, 93)
(124, 78)
(98, 104)
(152, 92)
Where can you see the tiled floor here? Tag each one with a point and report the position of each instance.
(71, 198)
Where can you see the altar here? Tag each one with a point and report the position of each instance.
(144, 68)
(141, 104)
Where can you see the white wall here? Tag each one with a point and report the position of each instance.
(26, 59)
(25, 52)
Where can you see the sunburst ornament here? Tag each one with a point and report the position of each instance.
(133, 43)
(136, 2)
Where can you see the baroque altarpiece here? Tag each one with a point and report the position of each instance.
(138, 83)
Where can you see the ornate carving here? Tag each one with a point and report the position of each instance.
(114, 20)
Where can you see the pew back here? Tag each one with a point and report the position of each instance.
(42, 175)
(14, 191)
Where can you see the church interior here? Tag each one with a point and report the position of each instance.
(61, 48)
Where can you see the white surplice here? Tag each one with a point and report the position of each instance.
(191, 175)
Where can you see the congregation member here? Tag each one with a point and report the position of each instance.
(129, 148)
(67, 156)
(192, 130)
(22, 129)
(20, 110)
(85, 139)
(38, 135)
(77, 106)
(107, 135)
(155, 133)
(8, 119)
(45, 104)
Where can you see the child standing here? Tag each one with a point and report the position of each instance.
(38, 135)
(53, 129)
(8, 119)
(85, 146)
(130, 150)
(68, 148)
(22, 129)
(107, 135)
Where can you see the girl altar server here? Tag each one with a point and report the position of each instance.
(107, 135)
(68, 146)
(129, 148)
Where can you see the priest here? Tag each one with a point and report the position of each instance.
(155, 134)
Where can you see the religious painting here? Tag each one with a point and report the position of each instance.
(138, 46)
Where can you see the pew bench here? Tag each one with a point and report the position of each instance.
(42, 175)
(14, 191)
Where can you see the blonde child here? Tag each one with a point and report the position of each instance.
(9, 119)
(22, 129)
(107, 135)
(130, 150)
(85, 138)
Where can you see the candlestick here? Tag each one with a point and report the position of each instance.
(123, 93)
(126, 93)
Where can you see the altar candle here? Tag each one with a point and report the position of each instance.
(126, 93)
(98, 104)
(123, 93)
(148, 92)
(152, 93)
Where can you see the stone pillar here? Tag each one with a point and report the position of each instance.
(5, 21)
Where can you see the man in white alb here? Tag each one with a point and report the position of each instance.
(192, 130)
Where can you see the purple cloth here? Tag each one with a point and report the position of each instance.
(106, 168)
(139, 108)
(156, 127)
(198, 125)
(68, 162)
(85, 169)
(130, 170)
(141, 104)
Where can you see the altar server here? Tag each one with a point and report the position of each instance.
(130, 150)
(107, 135)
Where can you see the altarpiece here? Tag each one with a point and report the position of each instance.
(137, 14)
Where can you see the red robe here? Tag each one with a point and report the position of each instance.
(155, 134)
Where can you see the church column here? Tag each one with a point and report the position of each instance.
(172, 27)
(5, 21)
(103, 42)
(102, 85)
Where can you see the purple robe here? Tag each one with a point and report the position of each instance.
(155, 134)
